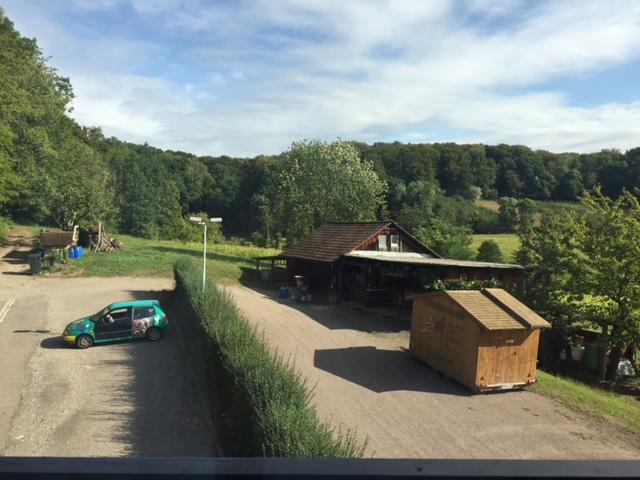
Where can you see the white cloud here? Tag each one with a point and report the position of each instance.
(244, 79)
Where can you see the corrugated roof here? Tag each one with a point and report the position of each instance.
(56, 239)
(493, 314)
(419, 258)
(331, 240)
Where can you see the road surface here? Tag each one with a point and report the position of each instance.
(363, 379)
(127, 399)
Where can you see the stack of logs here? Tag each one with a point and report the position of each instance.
(100, 241)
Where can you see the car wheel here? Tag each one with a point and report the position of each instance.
(154, 334)
(84, 341)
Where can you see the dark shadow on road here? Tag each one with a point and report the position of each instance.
(32, 331)
(54, 342)
(25, 272)
(343, 317)
(384, 370)
(169, 418)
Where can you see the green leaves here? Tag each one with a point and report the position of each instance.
(316, 182)
(587, 267)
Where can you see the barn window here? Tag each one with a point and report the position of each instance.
(395, 243)
(382, 243)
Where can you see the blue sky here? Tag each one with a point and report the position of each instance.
(244, 78)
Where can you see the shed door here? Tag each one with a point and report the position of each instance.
(507, 356)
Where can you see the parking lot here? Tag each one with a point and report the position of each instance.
(134, 398)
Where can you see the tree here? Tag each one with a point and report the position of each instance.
(489, 251)
(447, 240)
(76, 186)
(588, 268)
(317, 182)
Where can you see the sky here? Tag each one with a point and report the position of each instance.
(244, 78)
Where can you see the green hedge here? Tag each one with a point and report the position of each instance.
(262, 388)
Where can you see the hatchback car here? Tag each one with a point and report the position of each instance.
(118, 321)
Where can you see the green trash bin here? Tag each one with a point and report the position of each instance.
(35, 262)
(591, 356)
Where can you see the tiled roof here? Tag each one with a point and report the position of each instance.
(56, 239)
(331, 240)
(492, 313)
(425, 259)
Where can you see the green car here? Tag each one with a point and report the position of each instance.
(118, 321)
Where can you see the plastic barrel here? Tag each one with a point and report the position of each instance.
(79, 252)
(72, 253)
(591, 356)
(35, 262)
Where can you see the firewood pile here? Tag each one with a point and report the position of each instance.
(99, 240)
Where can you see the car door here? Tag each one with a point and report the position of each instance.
(142, 320)
(115, 324)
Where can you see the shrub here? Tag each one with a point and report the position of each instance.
(263, 388)
(5, 224)
(489, 251)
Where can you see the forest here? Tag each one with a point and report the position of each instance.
(56, 172)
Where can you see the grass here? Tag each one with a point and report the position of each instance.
(508, 242)
(618, 409)
(267, 400)
(142, 257)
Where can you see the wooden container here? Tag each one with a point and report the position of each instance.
(484, 339)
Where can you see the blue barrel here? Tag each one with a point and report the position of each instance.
(79, 252)
(72, 253)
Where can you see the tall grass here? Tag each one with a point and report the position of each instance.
(5, 225)
(271, 401)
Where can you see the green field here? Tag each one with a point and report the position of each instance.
(508, 243)
(594, 402)
(143, 257)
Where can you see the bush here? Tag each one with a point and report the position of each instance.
(5, 224)
(264, 390)
(489, 251)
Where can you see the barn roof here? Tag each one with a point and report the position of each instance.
(495, 309)
(331, 240)
(56, 239)
(425, 259)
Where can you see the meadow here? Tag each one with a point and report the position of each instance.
(508, 243)
(142, 257)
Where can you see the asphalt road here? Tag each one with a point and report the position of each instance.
(127, 399)
(363, 380)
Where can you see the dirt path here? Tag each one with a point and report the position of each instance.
(126, 399)
(364, 380)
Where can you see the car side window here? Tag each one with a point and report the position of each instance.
(120, 314)
(143, 312)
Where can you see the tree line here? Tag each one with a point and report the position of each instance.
(56, 172)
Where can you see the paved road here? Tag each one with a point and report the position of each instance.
(362, 379)
(128, 399)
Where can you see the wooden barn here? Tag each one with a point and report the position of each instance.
(484, 339)
(373, 263)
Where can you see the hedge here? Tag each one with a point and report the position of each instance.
(260, 386)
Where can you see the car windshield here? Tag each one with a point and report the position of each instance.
(95, 317)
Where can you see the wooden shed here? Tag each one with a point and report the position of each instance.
(484, 339)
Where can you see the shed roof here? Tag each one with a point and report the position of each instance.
(331, 240)
(495, 309)
(56, 239)
(422, 259)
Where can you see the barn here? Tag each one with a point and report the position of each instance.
(375, 263)
(484, 339)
